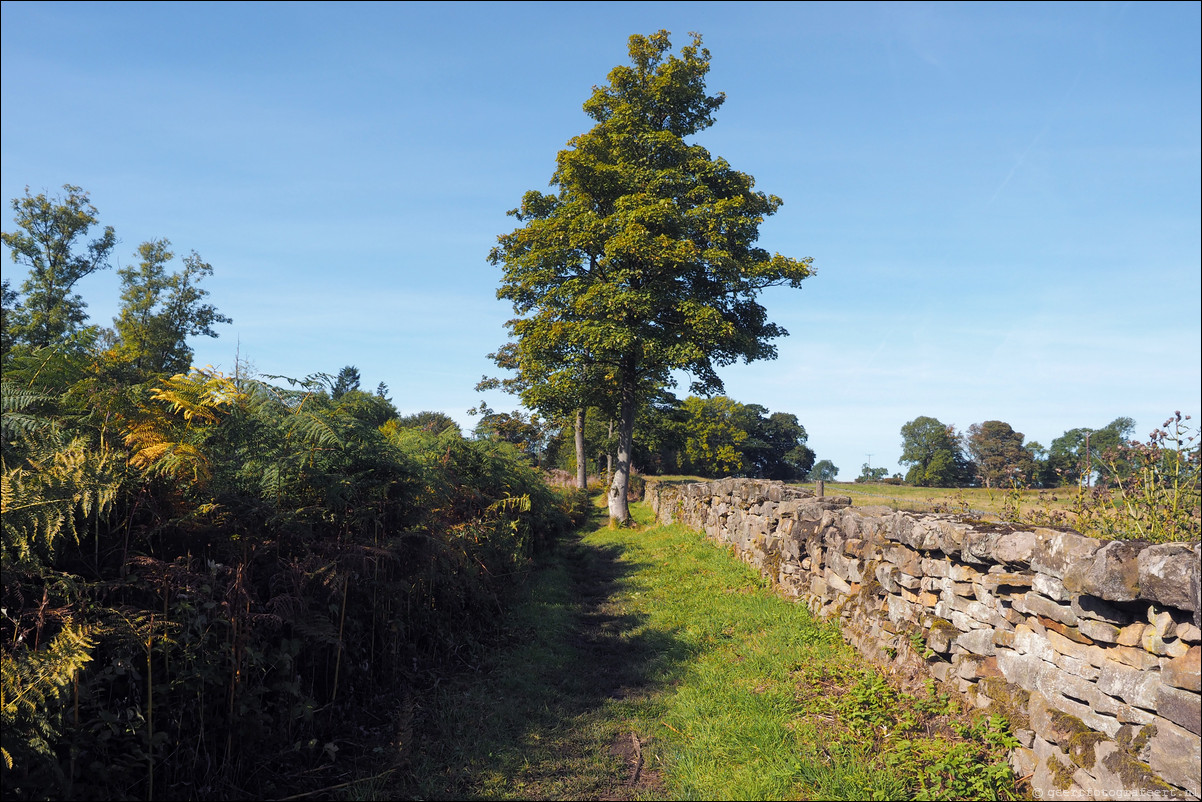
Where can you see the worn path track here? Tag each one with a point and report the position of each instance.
(543, 716)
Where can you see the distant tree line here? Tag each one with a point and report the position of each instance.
(993, 454)
(713, 437)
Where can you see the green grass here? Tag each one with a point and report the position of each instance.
(650, 640)
(980, 502)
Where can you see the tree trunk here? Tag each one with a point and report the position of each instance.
(619, 506)
(581, 465)
(609, 456)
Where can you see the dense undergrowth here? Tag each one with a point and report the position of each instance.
(212, 585)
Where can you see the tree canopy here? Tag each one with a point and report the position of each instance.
(159, 311)
(643, 261)
(999, 453)
(932, 449)
(51, 243)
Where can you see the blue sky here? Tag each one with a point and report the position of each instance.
(1002, 200)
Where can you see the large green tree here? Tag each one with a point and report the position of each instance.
(824, 471)
(932, 450)
(161, 310)
(999, 453)
(643, 261)
(51, 242)
(1075, 455)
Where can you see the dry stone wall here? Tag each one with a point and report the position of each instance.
(1091, 648)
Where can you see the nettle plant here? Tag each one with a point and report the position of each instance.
(1147, 491)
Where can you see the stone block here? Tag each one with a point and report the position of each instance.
(959, 572)
(1134, 657)
(1029, 642)
(836, 583)
(1014, 548)
(1050, 586)
(1135, 687)
(1131, 635)
(941, 635)
(1006, 579)
(1086, 606)
(1004, 638)
(1162, 621)
(963, 622)
(1048, 722)
(1072, 633)
(900, 610)
(1183, 708)
(931, 567)
(846, 567)
(966, 589)
(1115, 774)
(906, 559)
(886, 574)
(1112, 573)
(977, 547)
(1054, 551)
(1152, 642)
(1189, 633)
(1051, 770)
(1020, 669)
(1183, 672)
(1167, 573)
(979, 641)
(1175, 754)
(1022, 760)
(950, 536)
(941, 671)
(1032, 603)
(1098, 630)
(1085, 652)
(1077, 667)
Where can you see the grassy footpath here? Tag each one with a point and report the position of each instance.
(646, 663)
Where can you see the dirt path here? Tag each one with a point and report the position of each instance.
(545, 715)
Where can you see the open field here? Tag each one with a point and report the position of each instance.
(979, 502)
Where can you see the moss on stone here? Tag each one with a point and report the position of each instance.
(945, 626)
(1068, 724)
(1081, 748)
(1133, 741)
(1011, 701)
(1133, 773)
(1062, 775)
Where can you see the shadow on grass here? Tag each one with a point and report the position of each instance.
(548, 715)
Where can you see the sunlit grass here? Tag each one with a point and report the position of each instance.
(731, 691)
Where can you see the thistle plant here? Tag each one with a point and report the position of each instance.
(1148, 490)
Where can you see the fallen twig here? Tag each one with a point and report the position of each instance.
(638, 759)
